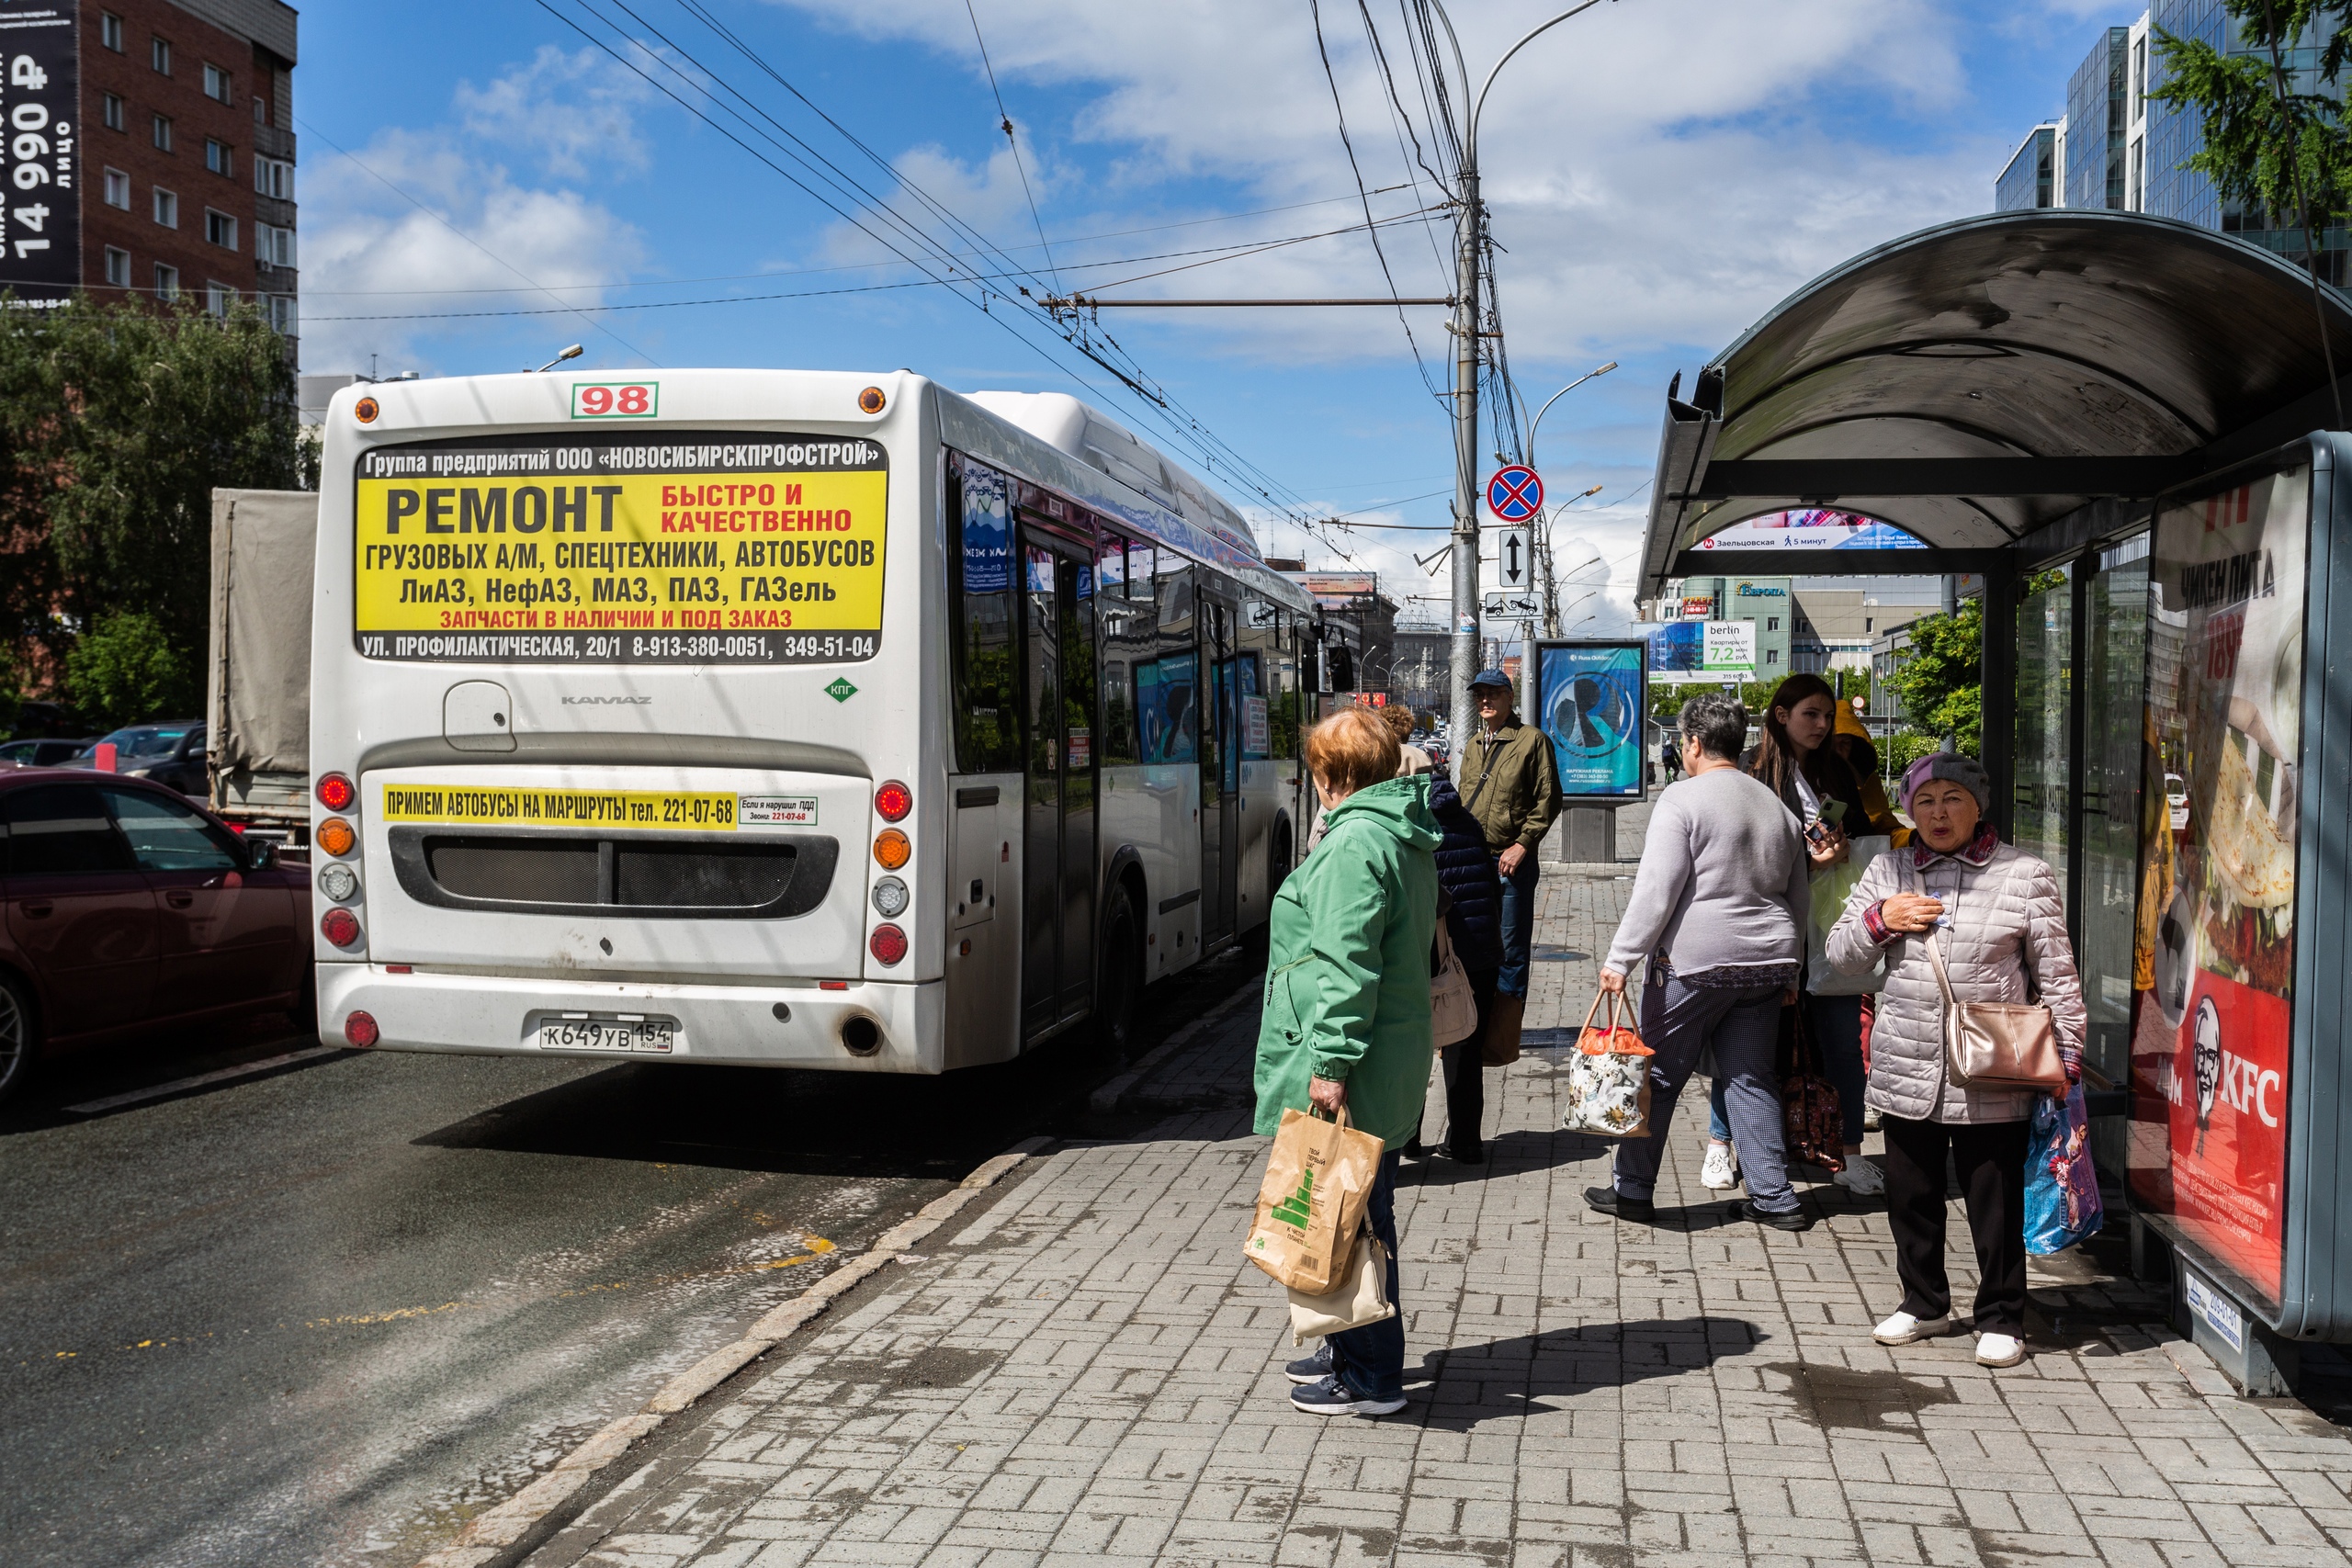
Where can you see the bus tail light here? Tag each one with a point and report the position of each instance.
(891, 848)
(888, 945)
(336, 792)
(894, 800)
(361, 1031)
(340, 927)
(335, 836)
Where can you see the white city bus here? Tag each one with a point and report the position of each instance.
(782, 718)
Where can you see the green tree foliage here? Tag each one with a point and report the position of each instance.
(1904, 748)
(116, 423)
(2275, 136)
(124, 669)
(1937, 678)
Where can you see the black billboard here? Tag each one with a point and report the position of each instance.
(40, 186)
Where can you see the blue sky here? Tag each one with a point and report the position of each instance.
(1660, 173)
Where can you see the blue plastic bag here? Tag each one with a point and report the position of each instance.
(2062, 1202)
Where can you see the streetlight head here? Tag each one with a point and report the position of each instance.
(1606, 368)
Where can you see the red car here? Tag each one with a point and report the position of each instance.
(129, 908)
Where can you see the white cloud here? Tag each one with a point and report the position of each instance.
(367, 250)
(1660, 173)
(571, 111)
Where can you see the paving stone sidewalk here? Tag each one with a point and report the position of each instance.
(1091, 1371)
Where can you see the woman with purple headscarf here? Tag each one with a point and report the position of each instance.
(2002, 930)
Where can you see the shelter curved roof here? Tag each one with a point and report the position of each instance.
(2040, 334)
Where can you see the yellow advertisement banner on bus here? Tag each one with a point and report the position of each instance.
(500, 807)
(692, 549)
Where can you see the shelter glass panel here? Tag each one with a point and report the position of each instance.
(2115, 656)
(2045, 688)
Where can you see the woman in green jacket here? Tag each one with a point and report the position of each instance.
(1346, 1008)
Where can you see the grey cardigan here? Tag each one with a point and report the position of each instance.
(1725, 879)
(2008, 936)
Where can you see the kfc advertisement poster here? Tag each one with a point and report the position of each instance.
(2216, 940)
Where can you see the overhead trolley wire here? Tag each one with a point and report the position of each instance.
(1005, 121)
(1315, 10)
(1187, 427)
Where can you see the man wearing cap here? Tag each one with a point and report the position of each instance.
(1510, 784)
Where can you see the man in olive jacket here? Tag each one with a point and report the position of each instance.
(1509, 781)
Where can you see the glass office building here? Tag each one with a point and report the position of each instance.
(2117, 150)
(2030, 180)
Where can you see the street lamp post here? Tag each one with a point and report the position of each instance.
(1472, 238)
(1543, 523)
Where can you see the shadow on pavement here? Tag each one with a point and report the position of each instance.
(1469, 1384)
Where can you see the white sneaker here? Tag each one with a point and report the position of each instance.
(2000, 1350)
(1717, 1174)
(1861, 1178)
(1904, 1329)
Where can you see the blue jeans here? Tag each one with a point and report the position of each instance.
(1744, 1026)
(1371, 1359)
(1519, 926)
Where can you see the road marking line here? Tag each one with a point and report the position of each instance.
(116, 1101)
(488, 1534)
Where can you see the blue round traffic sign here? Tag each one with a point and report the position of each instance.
(1514, 493)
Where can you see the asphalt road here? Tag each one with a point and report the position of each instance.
(324, 1312)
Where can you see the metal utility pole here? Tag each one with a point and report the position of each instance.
(1471, 239)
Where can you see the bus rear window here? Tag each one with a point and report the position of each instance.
(691, 548)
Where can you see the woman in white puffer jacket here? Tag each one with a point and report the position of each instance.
(2002, 930)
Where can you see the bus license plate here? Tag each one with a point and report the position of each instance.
(607, 1031)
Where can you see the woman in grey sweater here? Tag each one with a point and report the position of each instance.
(1719, 911)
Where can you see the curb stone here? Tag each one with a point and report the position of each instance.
(1110, 1096)
(490, 1533)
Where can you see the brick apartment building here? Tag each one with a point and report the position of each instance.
(174, 174)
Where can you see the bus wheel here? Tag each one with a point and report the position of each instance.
(1118, 987)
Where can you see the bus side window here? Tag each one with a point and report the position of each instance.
(987, 702)
(1129, 636)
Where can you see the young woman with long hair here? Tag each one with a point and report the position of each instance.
(1796, 761)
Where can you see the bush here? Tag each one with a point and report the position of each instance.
(1904, 748)
(124, 670)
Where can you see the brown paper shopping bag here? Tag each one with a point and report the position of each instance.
(1312, 1203)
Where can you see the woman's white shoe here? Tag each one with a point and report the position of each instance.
(1861, 1178)
(1999, 1350)
(1904, 1329)
(1717, 1174)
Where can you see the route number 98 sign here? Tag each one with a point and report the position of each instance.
(703, 548)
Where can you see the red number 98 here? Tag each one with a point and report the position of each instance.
(596, 399)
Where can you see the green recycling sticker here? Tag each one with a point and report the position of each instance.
(840, 691)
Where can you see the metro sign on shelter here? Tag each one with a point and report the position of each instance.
(1514, 493)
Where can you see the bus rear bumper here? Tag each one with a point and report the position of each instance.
(794, 1025)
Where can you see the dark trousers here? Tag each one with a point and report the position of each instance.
(1838, 1028)
(1466, 1074)
(1519, 926)
(1371, 1359)
(1744, 1026)
(1990, 1159)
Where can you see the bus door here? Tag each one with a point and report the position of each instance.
(1058, 844)
(1220, 776)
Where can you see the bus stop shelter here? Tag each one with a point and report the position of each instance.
(2127, 426)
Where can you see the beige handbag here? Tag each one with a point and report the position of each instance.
(1997, 1045)
(1453, 1008)
(1361, 1299)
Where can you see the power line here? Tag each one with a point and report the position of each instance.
(1315, 11)
(1005, 120)
(868, 266)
